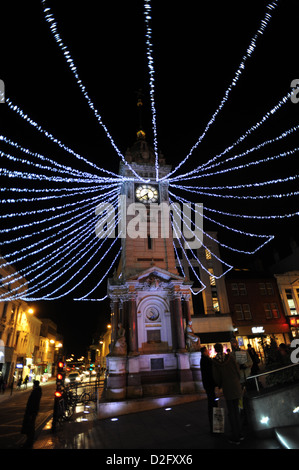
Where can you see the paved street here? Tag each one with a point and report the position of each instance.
(183, 427)
(12, 408)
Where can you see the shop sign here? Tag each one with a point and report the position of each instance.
(257, 329)
(19, 366)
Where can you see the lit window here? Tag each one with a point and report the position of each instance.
(215, 301)
(212, 277)
(208, 254)
(267, 309)
(291, 302)
(275, 311)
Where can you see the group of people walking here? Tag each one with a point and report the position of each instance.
(228, 372)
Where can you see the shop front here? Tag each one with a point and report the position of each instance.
(294, 326)
(259, 335)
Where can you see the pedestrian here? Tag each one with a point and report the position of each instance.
(19, 383)
(226, 374)
(31, 412)
(1, 383)
(283, 354)
(255, 360)
(206, 367)
(243, 359)
(26, 381)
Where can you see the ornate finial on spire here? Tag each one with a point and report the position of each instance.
(140, 132)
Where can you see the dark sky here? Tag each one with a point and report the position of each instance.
(197, 47)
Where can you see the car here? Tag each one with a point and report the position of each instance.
(73, 377)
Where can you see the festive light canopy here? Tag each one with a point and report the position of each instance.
(48, 216)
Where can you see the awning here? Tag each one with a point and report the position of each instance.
(215, 337)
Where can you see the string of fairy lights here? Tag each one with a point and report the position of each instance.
(49, 215)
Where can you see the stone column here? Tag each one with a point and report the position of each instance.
(114, 319)
(179, 323)
(187, 308)
(134, 387)
(132, 323)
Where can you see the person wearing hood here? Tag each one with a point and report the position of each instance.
(206, 367)
(31, 412)
(226, 374)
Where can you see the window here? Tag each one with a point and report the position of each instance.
(247, 312)
(239, 312)
(242, 289)
(4, 312)
(235, 289)
(262, 288)
(275, 311)
(208, 254)
(243, 312)
(215, 301)
(212, 277)
(291, 302)
(239, 289)
(267, 310)
(271, 310)
(269, 288)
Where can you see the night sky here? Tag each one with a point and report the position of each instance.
(197, 47)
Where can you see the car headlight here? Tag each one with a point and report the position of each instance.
(67, 380)
(78, 379)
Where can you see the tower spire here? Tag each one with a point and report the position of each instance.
(140, 133)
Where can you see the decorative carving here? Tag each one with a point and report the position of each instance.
(153, 282)
(192, 341)
(120, 347)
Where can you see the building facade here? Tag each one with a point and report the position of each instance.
(256, 309)
(25, 342)
(288, 285)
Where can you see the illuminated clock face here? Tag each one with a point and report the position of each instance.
(147, 193)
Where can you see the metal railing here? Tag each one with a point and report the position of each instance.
(264, 374)
(90, 390)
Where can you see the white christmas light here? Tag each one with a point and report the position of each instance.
(66, 169)
(234, 196)
(24, 116)
(208, 165)
(102, 279)
(147, 15)
(53, 28)
(250, 49)
(84, 250)
(249, 234)
(245, 165)
(230, 267)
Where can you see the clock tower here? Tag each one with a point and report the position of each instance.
(151, 303)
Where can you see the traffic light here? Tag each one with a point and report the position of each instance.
(60, 375)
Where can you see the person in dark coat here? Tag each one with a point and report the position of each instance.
(31, 412)
(226, 374)
(206, 367)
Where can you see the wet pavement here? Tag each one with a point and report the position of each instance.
(181, 427)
